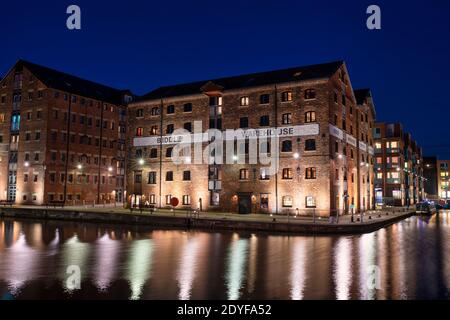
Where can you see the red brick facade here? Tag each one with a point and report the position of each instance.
(333, 177)
(35, 166)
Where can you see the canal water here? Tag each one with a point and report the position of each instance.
(41, 259)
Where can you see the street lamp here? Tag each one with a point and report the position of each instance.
(26, 164)
(110, 169)
(141, 161)
(79, 166)
(296, 155)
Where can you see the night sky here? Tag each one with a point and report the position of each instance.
(141, 45)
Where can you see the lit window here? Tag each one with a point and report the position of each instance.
(310, 202)
(310, 116)
(264, 174)
(311, 173)
(286, 96)
(186, 200)
(243, 174)
(244, 101)
(287, 201)
(396, 194)
(264, 203)
(287, 173)
(393, 144)
(139, 131)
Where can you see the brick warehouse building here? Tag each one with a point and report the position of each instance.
(324, 168)
(399, 177)
(54, 125)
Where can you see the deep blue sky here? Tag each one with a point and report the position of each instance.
(141, 45)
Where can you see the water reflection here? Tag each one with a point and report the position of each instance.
(367, 260)
(188, 266)
(343, 268)
(107, 252)
(408, 259)
(237, 258)
(298, 266)
(74, 253)
(139, 266)
(23, 261)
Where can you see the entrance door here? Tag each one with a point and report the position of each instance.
(245, 204)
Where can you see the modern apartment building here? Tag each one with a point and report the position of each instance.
(62, 138)
(318, 133)
(443, 179)
(399, 178)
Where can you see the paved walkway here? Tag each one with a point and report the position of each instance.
(375, 216)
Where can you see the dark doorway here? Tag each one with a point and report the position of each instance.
(245, 204)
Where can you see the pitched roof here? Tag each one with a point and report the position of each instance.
(69, 83)
(317, 71)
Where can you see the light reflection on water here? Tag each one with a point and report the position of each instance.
(119, 262)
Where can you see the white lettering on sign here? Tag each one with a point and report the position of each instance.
(362, 146)
(240, 134)
(336, 132)
(351, 140)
